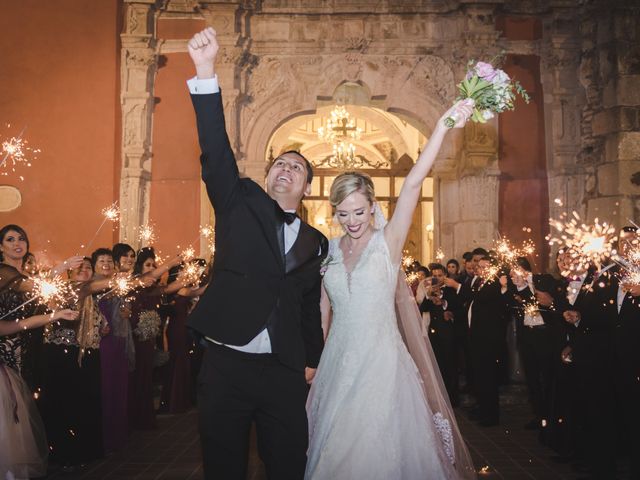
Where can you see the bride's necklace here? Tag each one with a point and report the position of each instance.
(350, 246)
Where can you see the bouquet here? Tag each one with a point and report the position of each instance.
(148, 325)
(492, 90)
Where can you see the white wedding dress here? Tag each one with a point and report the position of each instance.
(368, 415)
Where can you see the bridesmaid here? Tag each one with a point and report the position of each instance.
(176, 389)
(146, 327)
(23, 444)
(117, 355)
(70, 396)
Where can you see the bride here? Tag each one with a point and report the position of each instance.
(377, 407)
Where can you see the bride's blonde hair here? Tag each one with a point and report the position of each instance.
(349, 182)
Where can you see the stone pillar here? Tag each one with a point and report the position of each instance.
(138, 66)
(466, 208)
(610, 73)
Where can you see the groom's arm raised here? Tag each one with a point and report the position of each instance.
(219, 168)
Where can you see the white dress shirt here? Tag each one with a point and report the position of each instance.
(261, 343)
(622, 294)
(531, 320)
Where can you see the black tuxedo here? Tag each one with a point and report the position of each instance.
(254, 286)
(588, 384)
(539, 345)
(488, 310)
(625, 371)
(442, 338)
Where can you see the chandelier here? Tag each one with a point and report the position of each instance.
(341, 131)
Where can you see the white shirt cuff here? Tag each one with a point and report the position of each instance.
(203, 86)
(522, 287)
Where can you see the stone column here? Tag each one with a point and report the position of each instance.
(610, 72)
(138, 67)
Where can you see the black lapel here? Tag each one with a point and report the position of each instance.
(303, 249)
(265, 210)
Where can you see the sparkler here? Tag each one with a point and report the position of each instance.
(147, 234)
(188, 254)
(16, 151)
(439, 255)
(584, 244)
(48, 289)
(508, 253)
(407, 260)
(490, 273)
(191, 273)
(111, 213)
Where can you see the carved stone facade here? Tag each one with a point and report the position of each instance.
(280, 58)
(139, 63)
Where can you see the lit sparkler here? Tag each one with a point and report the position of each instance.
(188, 254)
(146, 234)
(439, 255)
(16, 151)
(407, 260)
(584, 245)
(489, 274)
(191, 273)
(207, 231)
(48, 289)
(110, 213)
(532, 309)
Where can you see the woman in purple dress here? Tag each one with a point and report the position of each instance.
(116, 351)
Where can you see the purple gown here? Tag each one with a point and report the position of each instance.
(116, 358)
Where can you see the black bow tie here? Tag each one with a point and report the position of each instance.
(289, 217)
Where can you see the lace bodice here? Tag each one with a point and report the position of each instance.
(362, 300)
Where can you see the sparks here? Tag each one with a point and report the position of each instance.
(207, 231)
(15, 151)
(439, 255)
(191, 273)
(112, 212)
(583, 245)
(407, 260)
(188, 254)
(146, 234)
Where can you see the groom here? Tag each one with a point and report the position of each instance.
(260, 315)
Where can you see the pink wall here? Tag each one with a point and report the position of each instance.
(59, 78)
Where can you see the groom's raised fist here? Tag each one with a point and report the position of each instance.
(203, 48)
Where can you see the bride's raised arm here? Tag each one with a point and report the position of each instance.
(396, 231)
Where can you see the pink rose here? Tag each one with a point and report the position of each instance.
(485, 70)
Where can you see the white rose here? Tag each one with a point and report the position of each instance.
(487, 114)
(501, 77)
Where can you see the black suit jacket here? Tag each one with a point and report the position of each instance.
(437, 311)
(253, 286)
(489, 314)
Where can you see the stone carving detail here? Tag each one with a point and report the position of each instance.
(359, 44)
(434, 76)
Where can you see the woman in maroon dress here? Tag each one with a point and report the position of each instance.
(176, 389)
(146, 327)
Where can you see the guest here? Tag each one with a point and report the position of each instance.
(176, 392)
(146, 327)
(626, 358)
(117, 355)
(536, 329)
(23, 443)
(70, 396)
(453, 269)
(441, 302)
(124, 257)
(487, 319)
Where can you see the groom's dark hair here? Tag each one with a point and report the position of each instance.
(295, 152)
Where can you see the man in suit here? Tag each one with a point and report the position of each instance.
(623, 307)
(260, 315)
(585, 386)
(536, 329)
(442, 303)
(487, 319)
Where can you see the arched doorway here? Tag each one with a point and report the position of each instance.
(386, 150)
